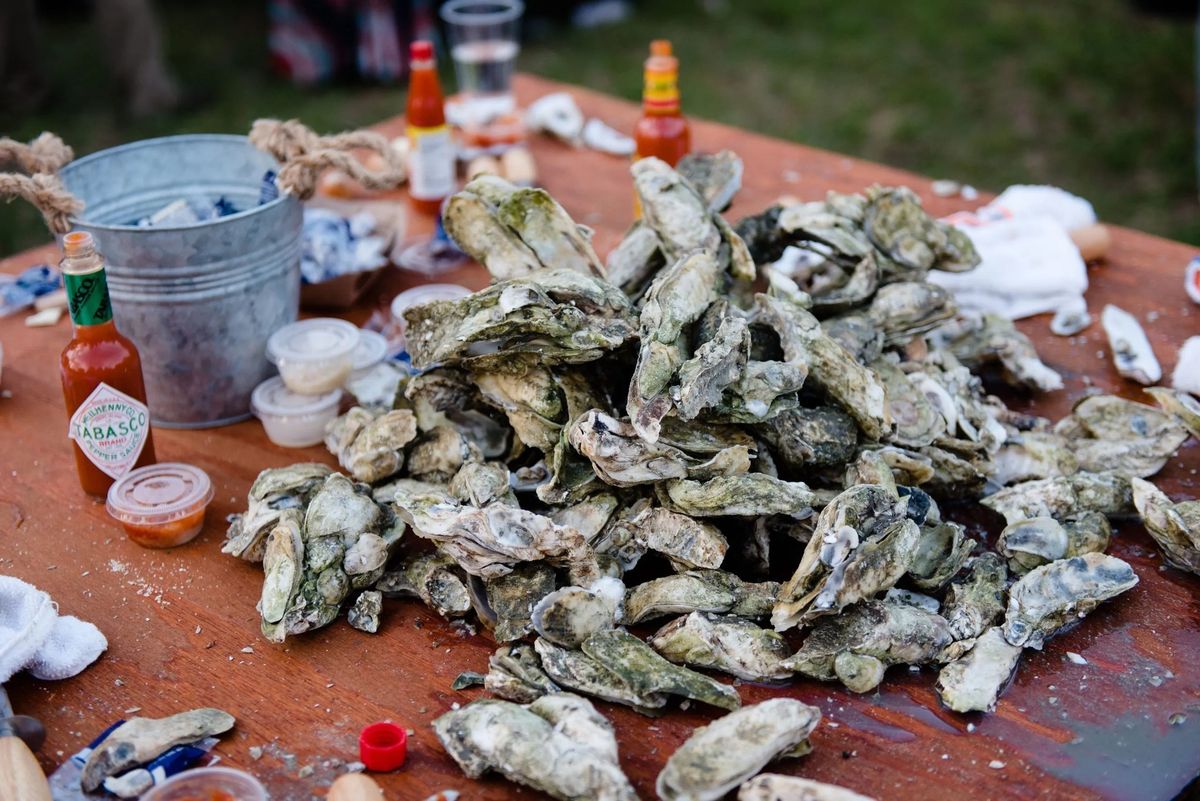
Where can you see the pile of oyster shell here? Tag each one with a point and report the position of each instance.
(753, 462)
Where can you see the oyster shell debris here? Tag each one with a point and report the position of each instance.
(699, 591)
(1131, 352)
(570, 615)
(974, 681)
(1175, 527)
(731, 645)
(648, 673)
(774, 787)
(705, 767)
(857, 646)
(1053, 597)
(560, 746)
(364, 612)
(515, 673)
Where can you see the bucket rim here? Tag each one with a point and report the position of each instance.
(158, 141)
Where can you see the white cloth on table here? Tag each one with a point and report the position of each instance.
(34, 637)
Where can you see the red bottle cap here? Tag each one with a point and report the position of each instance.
(421, 50)
(382, 746)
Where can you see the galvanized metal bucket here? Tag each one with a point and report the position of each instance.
(198, 300)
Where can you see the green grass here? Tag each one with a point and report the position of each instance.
(1086, 94)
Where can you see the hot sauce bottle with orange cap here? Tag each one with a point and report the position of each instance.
(431, 157)
(101, 376)
(662, 131)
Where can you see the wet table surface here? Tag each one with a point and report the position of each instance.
(183, 631)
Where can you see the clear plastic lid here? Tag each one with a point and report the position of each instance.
(318, 339)
(425, 293)
(272, 398)
(372, 348)
(159, 493)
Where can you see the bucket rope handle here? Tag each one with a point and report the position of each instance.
(304, 155)
(31, 173)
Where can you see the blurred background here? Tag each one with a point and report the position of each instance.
(1097, 96)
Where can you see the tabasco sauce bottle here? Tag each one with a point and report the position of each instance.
(101, 376)
(431, 158)
(662, 131)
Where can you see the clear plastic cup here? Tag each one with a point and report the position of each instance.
(161, 505)
(205, 784)
(314, 356)
(293, 420)
(484, 46)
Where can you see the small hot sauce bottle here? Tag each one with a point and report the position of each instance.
(431, 159)
(101, 376)
(662, 131)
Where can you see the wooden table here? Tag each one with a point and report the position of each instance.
(183, 631)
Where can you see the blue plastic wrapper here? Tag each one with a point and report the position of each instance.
(189, 211)
(335, 245)
(269, 190)
(64, 782)
(18, 292)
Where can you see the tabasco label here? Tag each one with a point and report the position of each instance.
(111, 428)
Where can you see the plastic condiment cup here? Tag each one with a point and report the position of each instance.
(371, 350)
(209, 784)
(291, 419)
(161, 505)
(314, 356)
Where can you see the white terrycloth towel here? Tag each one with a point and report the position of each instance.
(34, 636)
(1029, 265)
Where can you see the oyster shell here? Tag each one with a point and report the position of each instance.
(648, 673)
(746, 495)
(1034, 542)
(471, 223)
(672, 207)
(1175, 527)
(1132, 355)
(699, 591)
(677, 297)
(910, 238)
(802, 438)
(635, 259)
(364, 612)
(481, 483)
(432, 578)
(570, 615)
(716, 177)
(917, 421)
(577, 671)
(565, 750)
(515, 673)
(1110, 433)
(730, 644)
(273, 491)
(907, 308)
(506, 603)
(1107, 493)
(774, 787)
(532, 401)
(589, 517)
(439, 453)
(1179, 403)
(705, 767)
(861, 545)
(560, 317)
(831, 366)
(1033, 454)
(857, 646)
(974, 681)
(716, 364)
(976, 601)
(979, 339)
(1053, 597)
(687, 542)
(940, 553)
(139, 740)
(371, 445)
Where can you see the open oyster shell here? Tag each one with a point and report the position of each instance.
(1054, 597)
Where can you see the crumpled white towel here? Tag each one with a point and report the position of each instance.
(1029, 263)
(34, 636)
